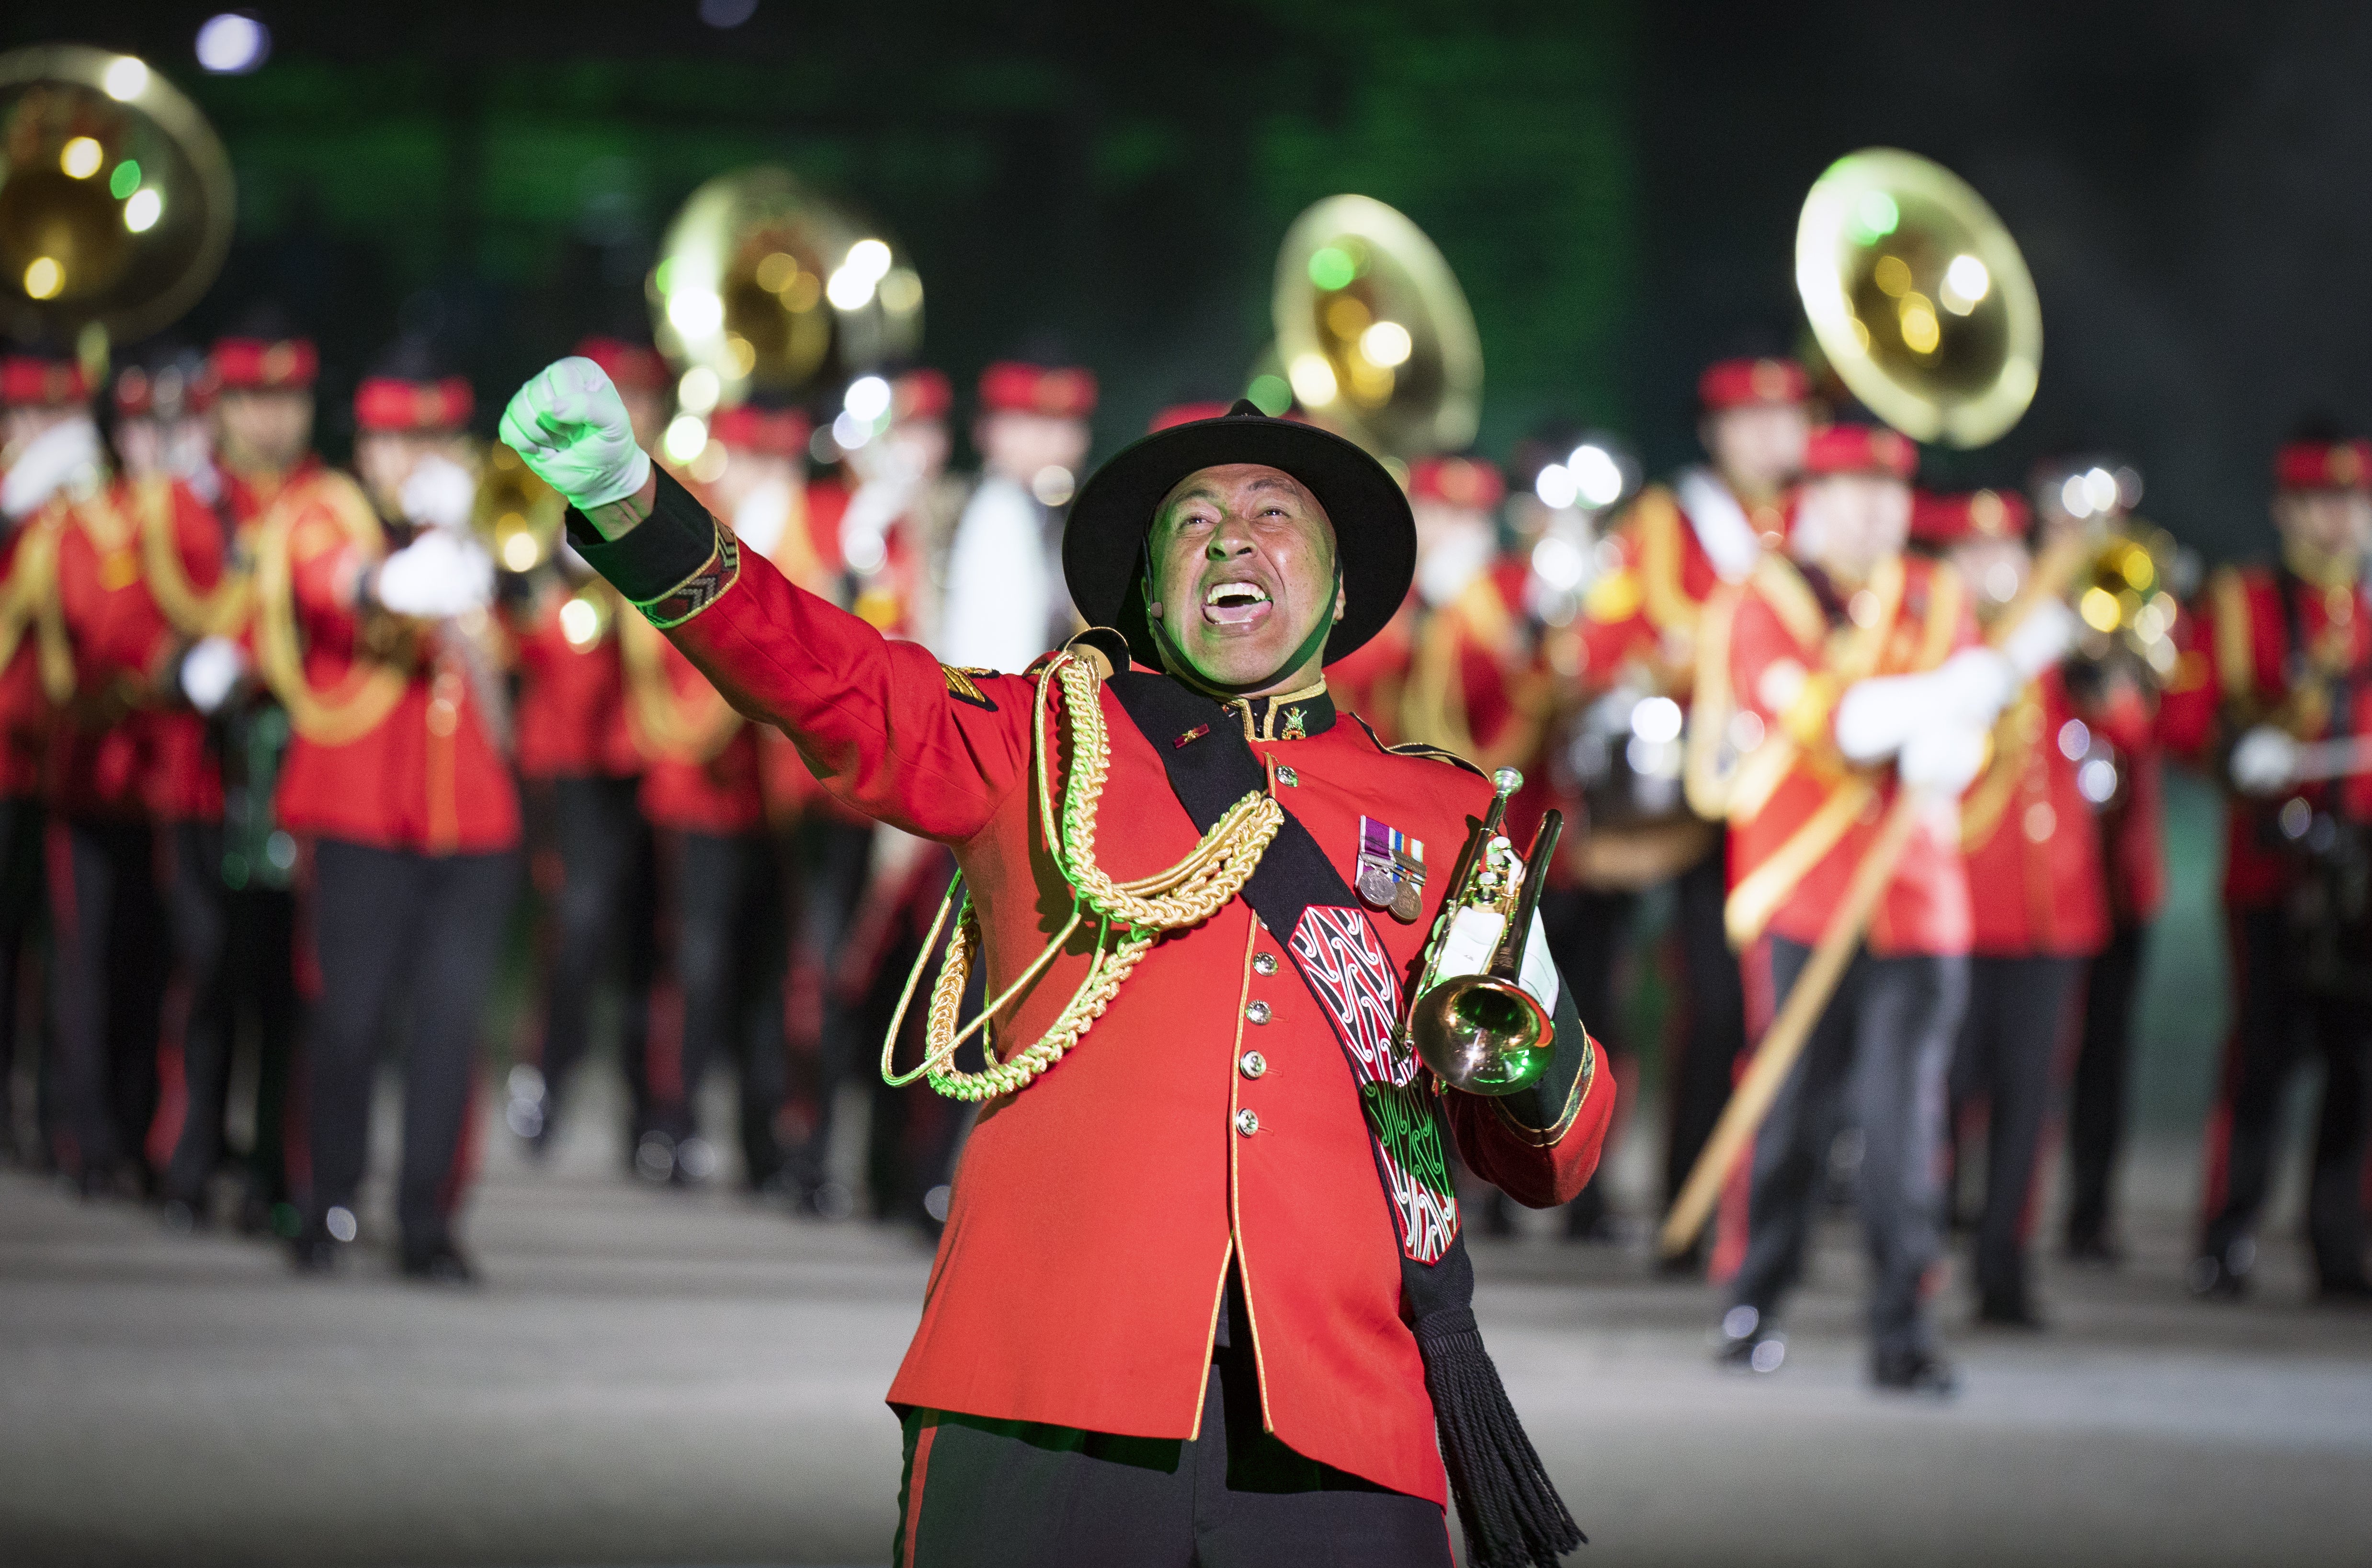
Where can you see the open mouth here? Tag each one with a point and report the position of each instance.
(1235, 605)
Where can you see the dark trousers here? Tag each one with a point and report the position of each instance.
(109, 968)
(2096, 1105)
(730, 952)
(834, 858)
(387, 924)
(1880, 1050)
(604, 915)
(266, 1004)
(21, 821)
(1714, 1034)
(198, 907)
(982, 1493)
(2277, 1023)
(2008, 1058)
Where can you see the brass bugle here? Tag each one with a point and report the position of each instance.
(1483, 1032)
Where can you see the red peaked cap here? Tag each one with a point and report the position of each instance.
(775, 433)
(2324, 465)
(630, 367)
(1733, 383)
(1860, 448)
(170, 393)
(1980, 513)
(37, 381)
(921, 394)
(1457, 481)
(245, 365)
(1011, 387)
(393, 403)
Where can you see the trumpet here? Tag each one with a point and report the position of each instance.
(1473, 1024)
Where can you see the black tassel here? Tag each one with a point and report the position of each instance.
(1513, 1516)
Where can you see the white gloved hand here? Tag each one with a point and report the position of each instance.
(55, 458)
(2045, 637)
(1942, 758)
(1877, 716)
(439, 493)
(569, 425)
(210, 670)
(437, 574)
(2265, 760)
(1974, 685)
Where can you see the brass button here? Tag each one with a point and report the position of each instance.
(1257, 1012)
(1263, 963)
(1251, 1064)
(1247, 1121)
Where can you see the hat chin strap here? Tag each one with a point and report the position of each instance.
(1174, 659)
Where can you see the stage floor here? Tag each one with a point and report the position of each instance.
(653, 1378)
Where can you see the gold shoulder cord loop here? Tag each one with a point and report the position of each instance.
(1185, 895)
(370, 689)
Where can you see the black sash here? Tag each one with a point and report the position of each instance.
(1508, 1505)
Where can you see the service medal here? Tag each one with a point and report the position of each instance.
(1408, 903)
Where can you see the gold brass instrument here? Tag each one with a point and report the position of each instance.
(1919, 297)
(763, 285)
(516, 517)
(1373, 333)
(1473, 1024)
(116, 199)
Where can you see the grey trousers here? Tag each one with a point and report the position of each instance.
(1883, 1047)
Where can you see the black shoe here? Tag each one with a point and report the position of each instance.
(316, 1254)
(2349, 1291)
(1686, 1266)
(1915, 1372)
(2212, 1278)
(2009, 1312)
(1751, 1342)
(438, 1263)
(2093, 1252)
(653, 1158)
(185, 1215)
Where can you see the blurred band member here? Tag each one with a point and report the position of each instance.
(399, 779)
(1005, 601)
(49, 455)
(1862, 666)
(2037, 896)
(138, 565)
(574, 749)
(2285, 657)
(2118, 697)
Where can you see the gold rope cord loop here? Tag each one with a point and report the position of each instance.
(30, 597)
(1185, 895)
(189, 610)
(370, 689)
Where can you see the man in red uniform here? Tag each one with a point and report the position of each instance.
(397, 778)
(2117, 698)
(1858, 671)
(129, 753)
(2037, 897)
(1679, 543)
(2282, 655)
(48, 453)
(573, 750)
(263, 373)
(1193, 1187)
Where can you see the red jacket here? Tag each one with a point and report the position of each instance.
(128, 745)
(1371, 680)
(393, 746)
(1479, 686)
(2237, 671)
(1098, 1209)
(2032, 842)
(700, 760)
(1800, 816)
(1646, 611)
(572, 698)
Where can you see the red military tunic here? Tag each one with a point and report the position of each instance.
(1646, 611)
(2235, 672)
(2032, 843)
(701, 767)
(128, 746)
(1098, 1209)
(1479, 686)
(1371, 679)
(571, 715)
(1801, 817)
(393, 746)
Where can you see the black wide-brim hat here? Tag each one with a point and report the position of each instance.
(1374, 536)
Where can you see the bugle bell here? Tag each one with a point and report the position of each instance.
(1473, 1023)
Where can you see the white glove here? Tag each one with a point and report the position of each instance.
(437, 574)
(1942, 758)
(570, 427)
(58, 456)
(439, 493)
(2265, 762)
(2042, 639)
(209, 672)
(1876, 717)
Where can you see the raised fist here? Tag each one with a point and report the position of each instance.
(569, 425)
